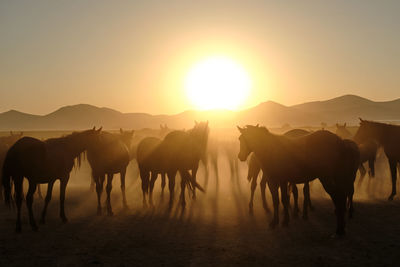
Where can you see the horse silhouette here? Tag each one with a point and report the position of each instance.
(43, 162)
(321, 154)
(178, 151)
(388, 137)
(5, 143)
(368, 150)
(255, 168)
(110, 155)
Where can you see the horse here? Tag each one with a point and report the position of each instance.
(368, 150)
(178, 151)
(5, 143)
(255, 168)
(43, 162)
(321, 154)
(109, 156)
(388, 137)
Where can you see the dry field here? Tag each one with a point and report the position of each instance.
(216, 229)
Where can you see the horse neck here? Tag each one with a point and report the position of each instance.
(74, 145)
(261, 143)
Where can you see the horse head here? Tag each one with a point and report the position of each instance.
(126, 137)
(248, 135)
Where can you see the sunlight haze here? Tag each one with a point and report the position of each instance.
(134, 56)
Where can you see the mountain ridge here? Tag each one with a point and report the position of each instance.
(345, 108)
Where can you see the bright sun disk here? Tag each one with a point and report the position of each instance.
(217, 83)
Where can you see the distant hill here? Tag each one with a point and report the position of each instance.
(345, 108)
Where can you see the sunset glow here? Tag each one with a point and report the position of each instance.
(217, 83)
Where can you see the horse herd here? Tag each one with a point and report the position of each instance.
(296, 157)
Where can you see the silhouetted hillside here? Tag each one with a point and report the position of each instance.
(341, 109)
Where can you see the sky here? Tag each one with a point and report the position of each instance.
(133, 55)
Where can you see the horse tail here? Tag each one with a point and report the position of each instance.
(350, 159)
(6, 179)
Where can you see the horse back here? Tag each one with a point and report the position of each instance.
(26, 157)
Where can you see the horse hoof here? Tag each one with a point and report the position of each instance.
(251, 212)
(34, 228)
(64, 220)
(391, 197)
(272, 225)
(42, 221)
(296, 215)
(110, 213)
(305, 217)
(312, 208)
(18, 230)
(285, 223)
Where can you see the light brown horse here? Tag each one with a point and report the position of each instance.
(388, 137)
(178, 151)
(109, 156)
(255, 168)
(320, 155)
(43, 162)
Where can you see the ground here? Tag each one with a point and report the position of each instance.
(216, 229)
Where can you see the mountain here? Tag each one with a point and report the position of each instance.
(347, 108)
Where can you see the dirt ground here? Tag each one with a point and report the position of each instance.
(216, 229)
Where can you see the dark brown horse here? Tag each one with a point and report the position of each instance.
(320, 155)
(388, 137)
(368, 150)
(43, 162)
(178, 151)
(5, 143)
(110, 155)
(255, 168)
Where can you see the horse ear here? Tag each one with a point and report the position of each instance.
(94, 128)
(99, 130)
(337, 125)
(361, 120)
(120, 130)
(344, 125)
(240, 129)
(11, 133)
(257, 125)
(195, 122)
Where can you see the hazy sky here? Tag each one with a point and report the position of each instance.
(133, 55)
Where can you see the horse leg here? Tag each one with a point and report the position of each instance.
(92, 183)
(63, 187)
(171, 185)
(295, 192)
(183, 186)
(307, 192)
(47, 200)
(253, 188)
(273, 188)
(306, 201)
(263, 185)
(285, 202)
(363, 172)
(194, 173)
(393, 173)
(371, 164)
(340, 203)
(152, 181)
(350, 202)
(99, 180)
(18, 199)
(39, 191)
(108, 190)
(162, 184)
(123, 175)
(145, 176)
(29, 203)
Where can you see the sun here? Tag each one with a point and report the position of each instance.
(217, 83)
